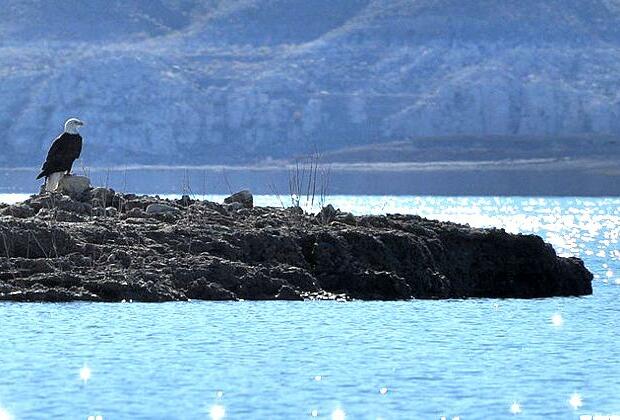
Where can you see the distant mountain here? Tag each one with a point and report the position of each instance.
(188, 81)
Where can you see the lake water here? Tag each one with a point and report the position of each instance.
(481, 358)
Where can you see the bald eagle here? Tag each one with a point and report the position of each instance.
(64, 151)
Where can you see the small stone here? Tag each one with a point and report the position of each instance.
(103, 196)
(158, 208)
(107, 212)
(111, 212)
(59, 215)
(118, 201)
(74, 186)
(136, 204)
(347, 218)
(288, 293)
(328, 213)
(58, 201)
(20, 211)
(244, 197)
(185, 200)
(234, 206)
(296, 211)
(137, 213)
(244, 212)
(202, 289)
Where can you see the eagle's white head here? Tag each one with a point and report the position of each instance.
(72, 125)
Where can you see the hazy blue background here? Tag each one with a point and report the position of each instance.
(259, 82)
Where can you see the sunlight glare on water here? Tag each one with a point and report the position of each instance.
(557, 320)
(575, 400)
(85, 373)
(217, 412)
(5, 415)
(338, 414)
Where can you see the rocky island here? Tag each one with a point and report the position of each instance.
(100, 245)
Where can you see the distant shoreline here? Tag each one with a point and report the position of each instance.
(543, 177)
(448, 166)
(385, 166)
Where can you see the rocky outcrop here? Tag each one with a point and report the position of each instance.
(111, 247)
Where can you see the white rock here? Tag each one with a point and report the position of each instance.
(73, 186)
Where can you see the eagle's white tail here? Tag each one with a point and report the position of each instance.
(52, 181)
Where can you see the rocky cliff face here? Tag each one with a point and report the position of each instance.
(229, 81)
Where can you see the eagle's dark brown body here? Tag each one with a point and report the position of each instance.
(64, 151)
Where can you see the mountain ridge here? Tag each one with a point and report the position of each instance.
(188, 82)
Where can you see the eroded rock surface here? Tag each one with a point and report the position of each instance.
(74, 186)
(113, 247)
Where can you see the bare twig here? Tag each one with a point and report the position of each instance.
(124, 180)
(85, 170)
(186, 187)
(204, 184)
(274, 191)
(36, 240)
(52, 227)
(226, 180)
(305, 177)
(324, 187)
(8, 256)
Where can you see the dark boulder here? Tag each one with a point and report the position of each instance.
(244, 198)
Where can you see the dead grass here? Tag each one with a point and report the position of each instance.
(308, 182)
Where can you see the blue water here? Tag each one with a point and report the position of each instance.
(555, 358)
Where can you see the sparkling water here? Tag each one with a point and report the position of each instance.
(478, 358)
